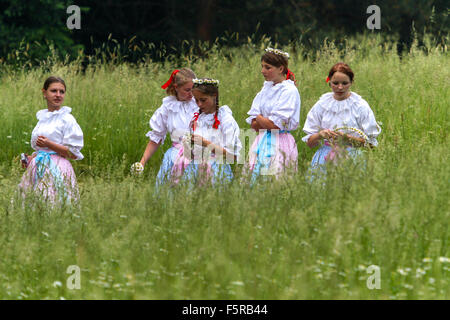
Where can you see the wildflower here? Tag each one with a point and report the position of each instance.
(427, 260)
(420, 272)
(444, 259)
(403, 272)
(57, 284)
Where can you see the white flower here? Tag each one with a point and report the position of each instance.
(278, 52)
(420, 272)
(427, 260)
(206, 81)
(444, 259)
(360, 132)
(137, 168)
(57, 284)
(403, 272)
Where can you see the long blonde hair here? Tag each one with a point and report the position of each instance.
(180, 78)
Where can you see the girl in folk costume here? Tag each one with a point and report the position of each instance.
(213, 142)
(275, 112)
(173, 117)
(341, 119)
(56, 138)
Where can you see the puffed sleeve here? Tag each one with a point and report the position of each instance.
(158, 124)
(73, 137)
(312, 123)
(255, 109)
(286, 111)
(230, 133)
(369, 125)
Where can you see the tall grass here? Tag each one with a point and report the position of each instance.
(287, 239)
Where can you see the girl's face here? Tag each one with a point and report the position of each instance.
(340, 84)
(206, 103)
(54, 95)
(272, 73)
(184, 92)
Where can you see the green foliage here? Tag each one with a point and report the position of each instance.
(30, 29)
(287, 239)
(156, 30)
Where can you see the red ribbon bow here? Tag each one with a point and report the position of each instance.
(289, 74)
(216, 122)
(167, 84)
(194, 121)
(328, 79)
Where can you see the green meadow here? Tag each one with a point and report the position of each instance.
(283, 239)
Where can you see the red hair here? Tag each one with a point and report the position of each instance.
(341, 67)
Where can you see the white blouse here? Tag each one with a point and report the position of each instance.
(280, 103)
(60, 127)
(227, 134)
(329, 113)
(174, 117)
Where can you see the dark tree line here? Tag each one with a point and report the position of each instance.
(41, 22)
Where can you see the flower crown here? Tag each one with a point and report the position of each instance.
(278, 52)
(212, 82)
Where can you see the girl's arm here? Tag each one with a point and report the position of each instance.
(265, 123)
(44, 142)
(149, 151)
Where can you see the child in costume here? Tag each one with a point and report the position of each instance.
(56, 138)
(173, 117)
(341, 120)
(274, 113)
(213, 142)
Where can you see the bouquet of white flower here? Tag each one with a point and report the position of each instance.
(137, 169)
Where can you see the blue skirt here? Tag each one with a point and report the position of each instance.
(164, 173)
(318, 163)
(220, 173)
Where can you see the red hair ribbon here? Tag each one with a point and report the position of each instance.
(216, 122)
(328, 79)
(167, 84)
(194, 121)
(289, 74)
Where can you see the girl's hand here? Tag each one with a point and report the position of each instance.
(328, 134)
(199, 140)
(42, 142)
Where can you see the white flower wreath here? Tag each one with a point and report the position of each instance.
(278, 52)
(206, 81)
(356, 130)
